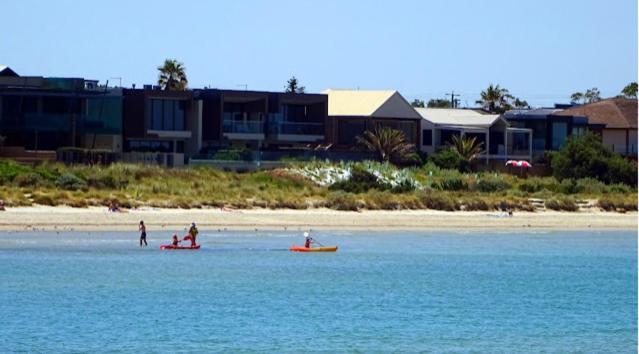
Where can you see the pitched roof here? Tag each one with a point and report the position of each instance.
(458, 117)
(6, 71)
(383, 104)
(613, 112)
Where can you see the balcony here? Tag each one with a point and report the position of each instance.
(242, 129)
(302, 132)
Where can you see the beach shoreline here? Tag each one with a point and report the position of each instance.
(44, 218)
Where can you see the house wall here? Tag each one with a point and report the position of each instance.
(367, 123)
(620, 140)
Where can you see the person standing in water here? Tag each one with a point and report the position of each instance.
(193, 231)
(142, 230)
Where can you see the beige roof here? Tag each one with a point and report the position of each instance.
(458, 117)
(382, 104)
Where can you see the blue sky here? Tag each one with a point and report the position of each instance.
(541, 50)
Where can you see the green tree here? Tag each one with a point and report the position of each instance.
(390, 144)
(630, 91)
(439, 103)
(517, 103)
(592, 95)
(459, 154)
(292, 86)
(586, 156)
(172, 76)
(417, 103)
(495, 99)
(577, 97)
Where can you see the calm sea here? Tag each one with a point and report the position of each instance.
(381, 292)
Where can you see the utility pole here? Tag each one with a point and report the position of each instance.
(453, 101)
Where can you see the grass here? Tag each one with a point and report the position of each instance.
(298, 187)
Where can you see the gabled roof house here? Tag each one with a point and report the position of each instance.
(352, 112)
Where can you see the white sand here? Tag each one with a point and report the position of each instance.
(98, 219)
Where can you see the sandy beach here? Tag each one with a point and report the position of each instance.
(98, 219)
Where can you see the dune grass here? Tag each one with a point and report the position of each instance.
(299, 187)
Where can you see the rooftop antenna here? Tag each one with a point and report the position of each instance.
(243, 85)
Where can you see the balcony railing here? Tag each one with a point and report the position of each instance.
(242, 127)
(290, 128)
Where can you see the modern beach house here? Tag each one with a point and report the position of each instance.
(615, 120)
(352, 112)
(270, 120)
(500, 140)
(549, 129)
(47, 113)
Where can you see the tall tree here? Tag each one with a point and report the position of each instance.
(439, 103)
(417, 103)
(495, 99)
(630, 91)
(576, 97)
(292, 86)
(517, 103)
(592, 95)
(389, 144)
(172, 76)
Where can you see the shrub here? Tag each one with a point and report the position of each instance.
(592, 186)
(475, 204)
(612, 204)
(43, 199)
(565, 204)
(531, 186)
(586, 156)
(569, 186)
(27, 180)
(453, 184)
(70, 181)
(449, 159)
(492, 184)
(360, 181)
(438, 201)
(9, 169)
(342, 201)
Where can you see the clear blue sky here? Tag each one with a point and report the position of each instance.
(541, 50)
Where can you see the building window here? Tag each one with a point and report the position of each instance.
(347, 132)
(427, 137)
(168, 114)
(559, 133)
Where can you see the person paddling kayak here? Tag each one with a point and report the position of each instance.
(309, 240)
(193, 231)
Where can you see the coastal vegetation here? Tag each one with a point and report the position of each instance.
(302, 185)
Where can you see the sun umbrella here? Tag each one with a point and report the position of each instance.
(511, 163)
(523, 163)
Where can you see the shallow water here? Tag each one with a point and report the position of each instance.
(381, 292)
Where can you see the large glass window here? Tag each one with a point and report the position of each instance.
(559, 133)
(168, 114)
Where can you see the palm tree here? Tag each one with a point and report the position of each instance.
(467, 148)
(390, 144)
(172, 76)
(495, 99)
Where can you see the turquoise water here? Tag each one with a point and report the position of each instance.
(381, 292)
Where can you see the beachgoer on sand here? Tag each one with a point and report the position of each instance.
(2, 205)
(142, 230)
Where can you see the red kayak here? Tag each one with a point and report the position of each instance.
(172, 247)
